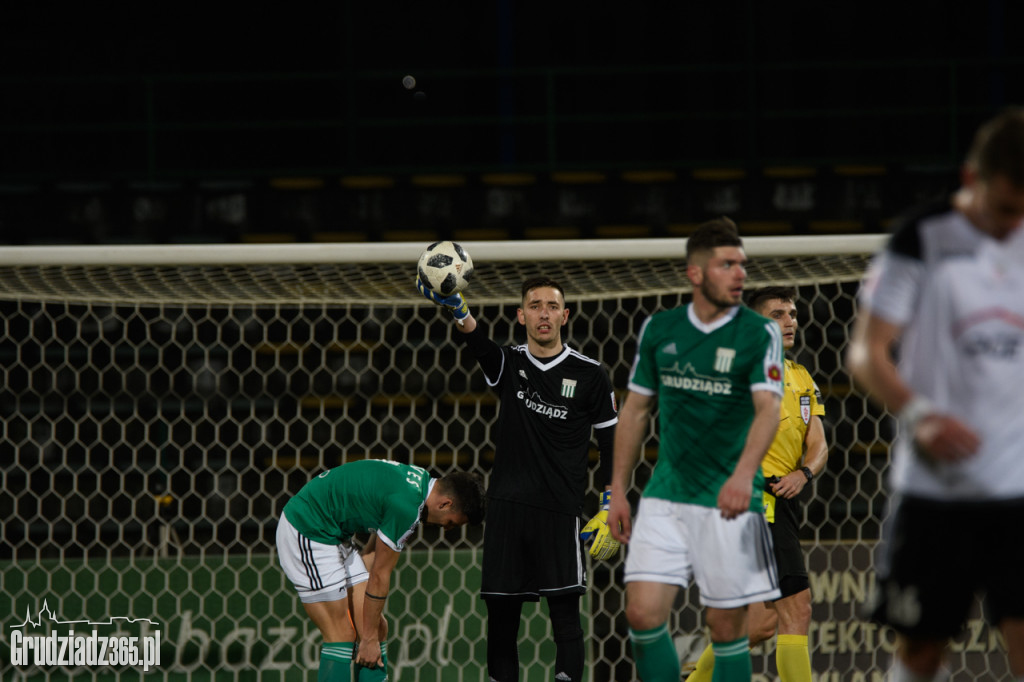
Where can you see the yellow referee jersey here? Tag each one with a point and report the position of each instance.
(800, 400)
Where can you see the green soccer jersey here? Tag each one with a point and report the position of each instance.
(703, 376)
(361, 497)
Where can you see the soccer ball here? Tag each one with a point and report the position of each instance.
(444, 268)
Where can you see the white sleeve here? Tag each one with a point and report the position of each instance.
(892, 287)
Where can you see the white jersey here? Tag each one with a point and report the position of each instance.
(922, 240)
(965, 353)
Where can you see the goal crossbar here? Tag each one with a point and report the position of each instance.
(330, 274)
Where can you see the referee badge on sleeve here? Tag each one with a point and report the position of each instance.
(805, 408)
(568, 388)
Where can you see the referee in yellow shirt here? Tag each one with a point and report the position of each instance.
(797, 455)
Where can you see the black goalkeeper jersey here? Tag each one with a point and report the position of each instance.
(547, 410)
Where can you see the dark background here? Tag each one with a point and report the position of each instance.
(196, 111)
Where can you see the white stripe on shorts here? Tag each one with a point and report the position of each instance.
(319, 572)
(730, 560)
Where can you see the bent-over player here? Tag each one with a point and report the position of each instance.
(314, 546)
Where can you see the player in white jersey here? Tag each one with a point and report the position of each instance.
(957, 463)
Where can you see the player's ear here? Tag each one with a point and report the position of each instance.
(520, 316)
(968, 175)
(695, 273)
(565, 316)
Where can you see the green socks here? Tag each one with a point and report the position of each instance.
(732, 661)
(335, 662)
(655, 655)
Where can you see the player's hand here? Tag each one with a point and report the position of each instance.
(604, 545)
(944, 438)
(367, 653)
(734, 497)
(790, 485)
(620, 524)
(455, 304)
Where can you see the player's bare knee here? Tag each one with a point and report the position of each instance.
(641, 618)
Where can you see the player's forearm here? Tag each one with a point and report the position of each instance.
(816, 452)
(869, 361)
(606, 452)
(760, 436)
(629, 433)
(466, 324)
(377, 588)
(881, 380)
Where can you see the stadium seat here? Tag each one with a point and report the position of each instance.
(623, 231)
(564, 232)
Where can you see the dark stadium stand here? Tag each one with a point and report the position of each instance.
(427, 207)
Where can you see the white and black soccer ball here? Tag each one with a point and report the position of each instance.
(444, 268)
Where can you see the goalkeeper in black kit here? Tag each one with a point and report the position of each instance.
(552, 398)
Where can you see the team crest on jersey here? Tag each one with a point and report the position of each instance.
(723, 359)
(775, 373)
(805, 408)
(568, 388)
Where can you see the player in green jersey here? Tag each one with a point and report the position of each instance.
(716, 370)
(315, 547)
(798, 453)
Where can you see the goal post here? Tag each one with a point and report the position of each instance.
(160, 403)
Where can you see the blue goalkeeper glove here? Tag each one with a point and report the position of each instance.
(605, 546)
(455, 304)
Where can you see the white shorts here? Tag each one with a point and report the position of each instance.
(319, 572)
(732, 560)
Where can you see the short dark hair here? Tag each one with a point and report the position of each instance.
(757, 297)
(531, 283)
(467, 492)
(718, 232)
(998, 148)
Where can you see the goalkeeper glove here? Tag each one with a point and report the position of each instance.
(605, 546)
(455, 304)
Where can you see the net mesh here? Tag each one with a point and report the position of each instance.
(156, 418)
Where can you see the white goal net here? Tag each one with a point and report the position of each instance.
(160, 404)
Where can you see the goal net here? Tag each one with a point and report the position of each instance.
(160, 404)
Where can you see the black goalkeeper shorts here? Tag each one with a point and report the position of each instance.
(531, 553)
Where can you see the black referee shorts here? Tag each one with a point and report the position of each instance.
(789, 555)
(531, 553)
(938, 554)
